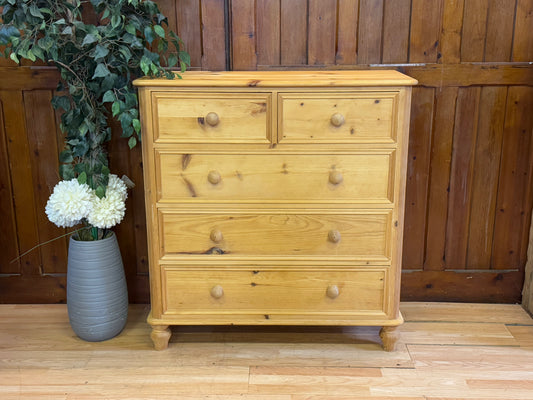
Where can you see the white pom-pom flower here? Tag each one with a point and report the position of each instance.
(107, 211)
(69, 203)
(117, 185)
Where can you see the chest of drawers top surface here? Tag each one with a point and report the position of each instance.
(275, 197)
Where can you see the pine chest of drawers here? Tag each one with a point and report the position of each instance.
(275, 198)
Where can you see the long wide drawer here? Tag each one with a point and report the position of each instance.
(364, 177)
(212, 117)
(267, 292)
(363, 235)
(358, 117)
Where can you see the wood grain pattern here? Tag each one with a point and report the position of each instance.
(347, 15)
(452, 24)
(370, 31)
(214, 48)
(188, 28)
(293, 33)
(268, 32)
(396, 20)
(243, 56)
(425, 30)
(321, 32)
(523, 42)
(500, 21)
(474, 30)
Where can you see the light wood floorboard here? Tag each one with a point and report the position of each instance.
(447, 352)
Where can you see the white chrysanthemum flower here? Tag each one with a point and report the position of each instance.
(69, 203)
(117, 185)
(107, 211)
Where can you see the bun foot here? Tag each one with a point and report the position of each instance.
(389, 336)
(160, 336)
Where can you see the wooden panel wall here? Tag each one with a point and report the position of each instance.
(470, 175)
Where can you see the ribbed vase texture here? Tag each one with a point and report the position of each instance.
(97, 295)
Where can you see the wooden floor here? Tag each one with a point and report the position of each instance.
(447, 351)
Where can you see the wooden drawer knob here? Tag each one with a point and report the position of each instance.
(332, 291)
(335, 177)
(217, 292)
(334, 236)
(212, 119)
(214, 177)
(337, 119)
(216, 236)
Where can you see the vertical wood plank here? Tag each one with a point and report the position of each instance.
(439, 187)
(417, 177)
(460, 200)
(474, 30)
(21, 178)
(396, 21)
(41, 126)
(293, 32)
(452, 24)
(512, 210)
(268, 32)
(370, 31)
(486, 171)
(426, 20)
(523, 39)
(168, 9)
(347, 17)
(500, 22)
(213, 35)
(322, 29)
(188, 25)
(8, 233)
(243, 37)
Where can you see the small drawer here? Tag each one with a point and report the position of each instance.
(365, 177)
(361, 235)
(270, 292)
(211, 117)
(360, 117)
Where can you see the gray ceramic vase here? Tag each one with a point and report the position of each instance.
(97, 295)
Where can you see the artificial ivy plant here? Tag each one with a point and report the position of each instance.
(97, 61)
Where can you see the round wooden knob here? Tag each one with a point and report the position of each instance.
(216, 236)
(214, 177)
(337, 119)
(217, 292)
(212, 119)
(334, 236)
(332, 291)
(335, 177)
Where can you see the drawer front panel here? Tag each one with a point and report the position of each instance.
(212, 118)
(267, 291)
(365, 177)
(365, 117)
(362, 235)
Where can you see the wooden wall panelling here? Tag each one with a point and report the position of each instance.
(322, 32)
(439, 178)
(500, 21)
(417, 177)
(243, 35)
(486, 167)
(396, 23)
(214, 35)
(268, 32)
(293, 32)
(41, 128)
(452, 24)
(474, 30)
(8, 233)
(370, 31)
(347, 17)
(461, 177)
(426, 17)
(513, 206)
(522, 38)
(168, 9)
(189, 29)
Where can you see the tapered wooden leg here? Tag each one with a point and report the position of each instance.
(389, 336)
(160, 336)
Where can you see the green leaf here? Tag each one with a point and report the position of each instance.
(115, 108)
(82, 178)
(131, 29)
(132, 142)
(145, 64)
(66, 171)
(100, 71)
(66, 156)
(115, 21)
(136, 125)
(159, 30)
(14, 57)
(100, 52)
(89, 39)
(105, 170)
(34, 10)
(30, 55)
(100, 191)
(149, 34)
(185, 57)
(108, 97)
(172, 60)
